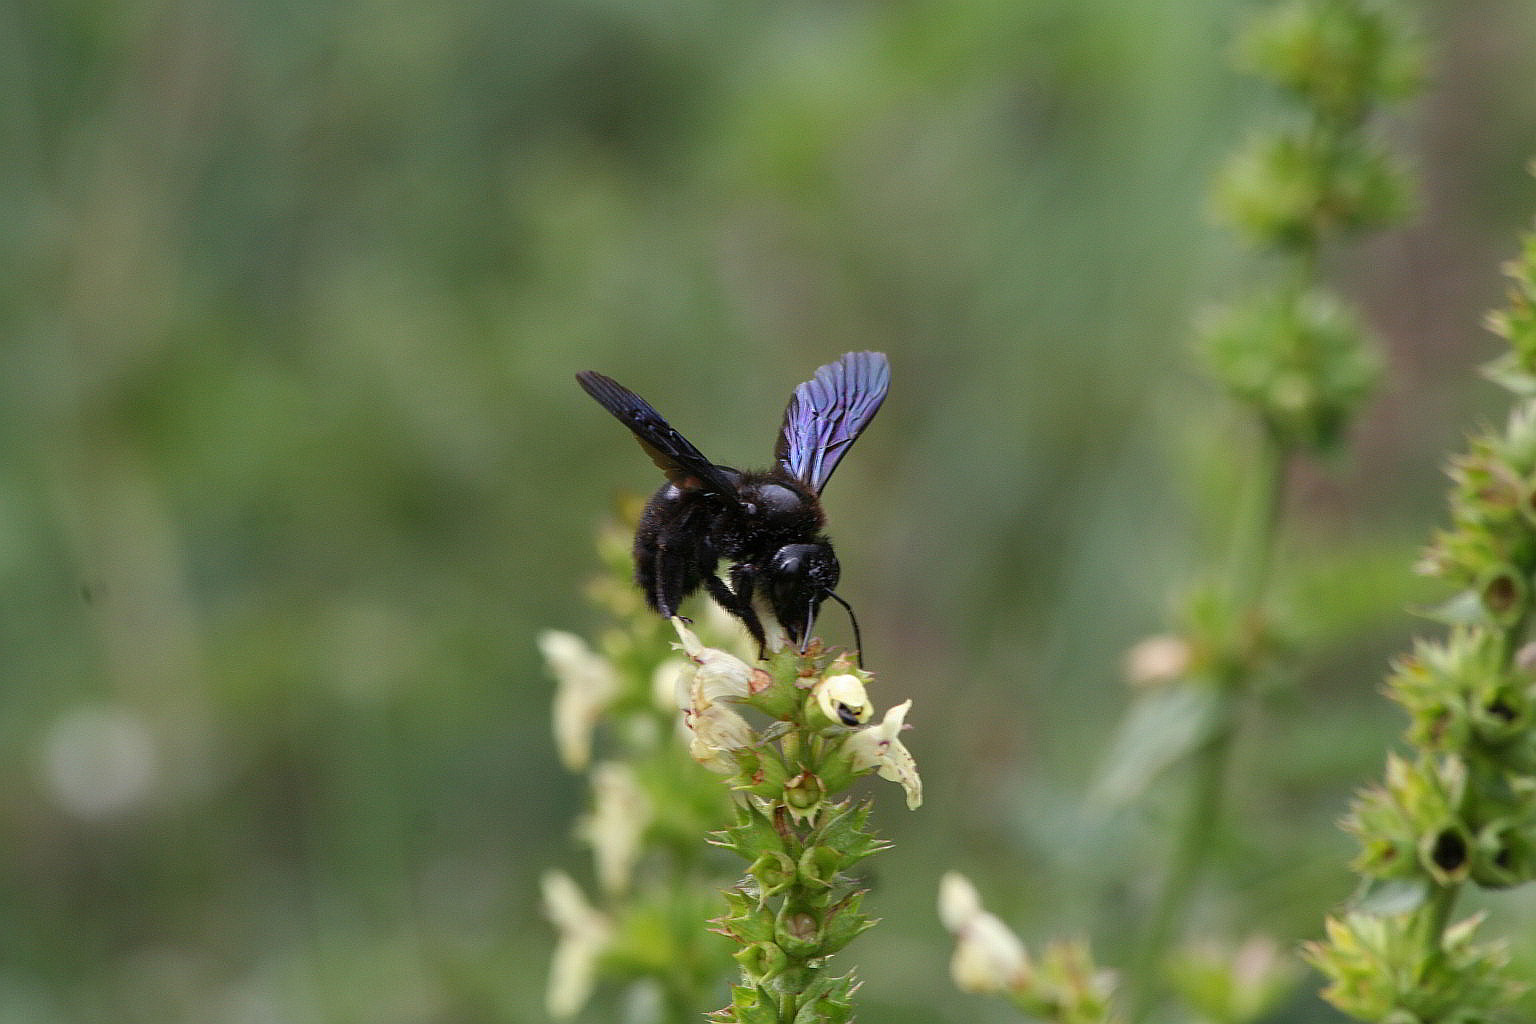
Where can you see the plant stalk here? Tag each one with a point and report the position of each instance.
(1253, 556)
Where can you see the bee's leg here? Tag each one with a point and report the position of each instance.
(677, 573)
(646, 555)
(739, 602)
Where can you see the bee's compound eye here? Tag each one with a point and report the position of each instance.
(848, 715)
(796, 560)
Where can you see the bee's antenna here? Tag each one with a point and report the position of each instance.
(858, 643)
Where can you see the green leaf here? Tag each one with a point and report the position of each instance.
(1463, 609)
(1384, 897)
(1163, 727)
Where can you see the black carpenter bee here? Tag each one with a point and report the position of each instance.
(767, 525)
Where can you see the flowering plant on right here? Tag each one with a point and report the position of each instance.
(1460, 809)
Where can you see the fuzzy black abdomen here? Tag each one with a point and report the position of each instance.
(673, 549)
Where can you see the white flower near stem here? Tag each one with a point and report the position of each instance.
(718, 675)
(842, 699)
(586, 685)
(621, 810)
(583, 934)
(718, 679)
(878, 748)
(717, 732)
(670, 683)
(988, 956)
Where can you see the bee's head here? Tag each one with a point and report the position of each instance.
(800, 577)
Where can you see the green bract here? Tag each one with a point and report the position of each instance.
(1301, 360)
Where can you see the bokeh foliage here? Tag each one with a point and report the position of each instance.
(293, 467)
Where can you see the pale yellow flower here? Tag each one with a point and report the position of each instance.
(586, 685)
(877, 747)
(583, 934)
(716, 681)
(842, 698)
(621, 810)
(718, 675)
(959, 901)
(717, 730)
(988, 956)
(670, 684)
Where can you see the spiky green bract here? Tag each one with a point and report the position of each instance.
(1461, 810)
(1380, 969)
(798, 905)
(1302, 360)
(1340, 58)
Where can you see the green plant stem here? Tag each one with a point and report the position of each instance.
(1253, 555)
(1254, 551)
(1436, 915)
(1209, 769)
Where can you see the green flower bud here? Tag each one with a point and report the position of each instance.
(1301, 360)
(836, 769)
(745, 923)
(1410, 825)
(847, 832)
(819, 866)
(1503, 857)
(774, 872)
(778, 694)
(763, 775)
(1379, 969)
(1517, 323)
(828, 1009)
(1295, 190)
(761, 961)
(798, 931)
(803, 796)
(753, 1005)
(1500, 714)
(1340, 58)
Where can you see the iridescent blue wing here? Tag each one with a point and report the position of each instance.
(684, 464)
(827, 414)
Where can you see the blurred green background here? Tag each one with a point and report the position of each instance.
(294, 468)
